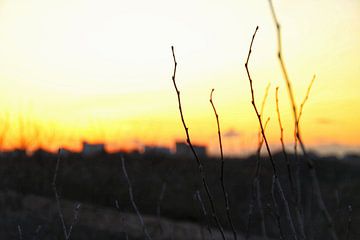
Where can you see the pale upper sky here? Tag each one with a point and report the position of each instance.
(101, 70)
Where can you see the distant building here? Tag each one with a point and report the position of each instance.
(156, 150)
(90, 150)
(183, 149)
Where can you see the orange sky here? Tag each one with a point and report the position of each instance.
(101, 71)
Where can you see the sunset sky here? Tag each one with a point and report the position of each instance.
(74, 70)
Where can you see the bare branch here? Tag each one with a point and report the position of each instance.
(77, 206)
(204, 213)
(290, 174)
(309, 161)
(256, 191)
(277, 182)
(225, 193)
(199, 163)
(131, 195)
(254, 104)
(159, 201)
(20, 232)
(276, 209)
(304, 101)
(349, 222)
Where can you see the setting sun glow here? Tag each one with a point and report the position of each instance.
(100, 71)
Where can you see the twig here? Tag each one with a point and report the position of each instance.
(158, 207)
(203, 211)
(199, 163)
(37, 231)
(282, 141)
(309, 161)
(76, 212)
(264, 100)
(276, 209)
(349, 222)
(295, 196)
(225, 193)
(277, 182)
(20, 232)
(257, 182)
(131, 195)
(305, 99)
(254, 105)
(77, 206)
(255, 191)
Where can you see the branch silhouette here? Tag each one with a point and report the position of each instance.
(198, 161)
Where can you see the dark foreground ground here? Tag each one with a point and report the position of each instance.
(164, 188)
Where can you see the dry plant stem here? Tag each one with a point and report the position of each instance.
(290, 175)
(161, 197)
(277, 182)
(309, 161)
(349, 222)
(276, 209)
(256, 191)
(296, 134)
(225, 193)
(257, 185)
(203, 211)
(199, 163)
(282, 63)
(20, 232)
(158, 207)
(264, 100)
(131, 195)
(261, 210)
(304, 100)
(299, 217)
(37, 231)
(77, 206)
(254, 105)
(57, 198)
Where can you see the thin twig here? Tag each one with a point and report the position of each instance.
(349, 222)
(131, 195)
(296, 197)
(305, 99)
(203, 211)
(225, 193)
(254, 105)
(255, 191)
(309, 161)
(199, 163)
(57, 198)
(37, 231)
(282, 141)
(76, 212)
(158, 207)
(20, 232)
(276, 209)
(257, 182)
(277, 182)
(77, 206)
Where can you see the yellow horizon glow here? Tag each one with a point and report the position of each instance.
(101, 71)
